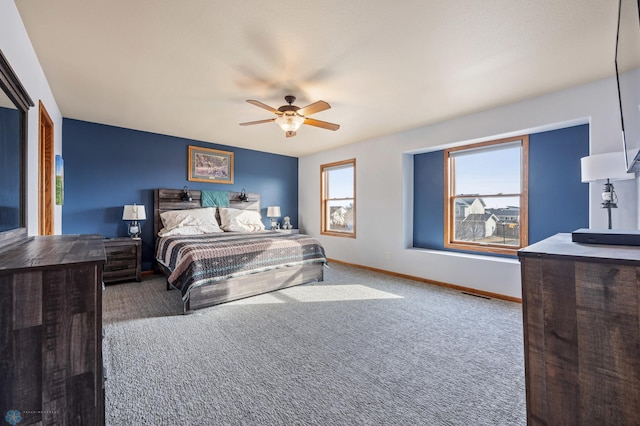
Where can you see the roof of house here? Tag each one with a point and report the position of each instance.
(504, 211)
(480, 217)
(468, 201)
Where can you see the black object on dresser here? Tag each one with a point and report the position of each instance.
(123, 259)
(627, 237)
(51, 368)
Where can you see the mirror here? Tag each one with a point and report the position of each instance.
(9, 165)
(14, 104)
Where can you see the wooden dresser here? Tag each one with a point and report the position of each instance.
(581, 312)
(51, 330)
(123, 259)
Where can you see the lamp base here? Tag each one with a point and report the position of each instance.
(135, 230)
(609, 200)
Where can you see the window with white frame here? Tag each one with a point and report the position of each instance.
(338, 198)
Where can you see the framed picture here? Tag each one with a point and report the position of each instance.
(59, 180)
(210, 165)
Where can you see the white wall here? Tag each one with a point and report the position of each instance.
(384, 185)
(17, 48)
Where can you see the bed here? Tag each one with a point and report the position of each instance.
(215, 268)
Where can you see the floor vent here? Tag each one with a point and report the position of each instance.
(476, 295)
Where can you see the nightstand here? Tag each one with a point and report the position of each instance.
(123, 259)
(289, 231)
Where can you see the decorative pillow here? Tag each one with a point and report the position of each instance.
(236, 220)
(214, 198)
(189, 222)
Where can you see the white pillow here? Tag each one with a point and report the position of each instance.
(190, 230)
(189, 222)
(236, 220)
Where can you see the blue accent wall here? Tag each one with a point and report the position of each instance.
(107, 167)
(10, 172)
(558, 200)
(428, 205)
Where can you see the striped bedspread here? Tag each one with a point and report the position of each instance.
(203, 259)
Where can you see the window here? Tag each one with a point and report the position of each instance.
(486, 196)
(338, 203)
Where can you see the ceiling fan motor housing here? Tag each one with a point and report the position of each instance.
(285, 108)
(290, 100)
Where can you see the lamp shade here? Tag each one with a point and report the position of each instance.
(273, 211)
(134, 212)
(290, 121)
(604, 166)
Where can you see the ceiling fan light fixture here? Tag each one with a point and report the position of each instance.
(289, 121)
(290, 117)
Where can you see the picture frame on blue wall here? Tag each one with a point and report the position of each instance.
(59, 180)
(210, 165)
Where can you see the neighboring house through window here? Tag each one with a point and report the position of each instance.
(486, 196)
(338, 198)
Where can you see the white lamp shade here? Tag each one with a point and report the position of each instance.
(273, 211)
(604, 166)
(134, 212)
(290, 121)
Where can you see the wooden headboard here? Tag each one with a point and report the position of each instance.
(171, 199)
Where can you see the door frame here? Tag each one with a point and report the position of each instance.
(46, 170)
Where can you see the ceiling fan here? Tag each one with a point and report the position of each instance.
(290, 117)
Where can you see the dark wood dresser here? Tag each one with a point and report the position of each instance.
(51, 330)
(581, 312)
(123, 259)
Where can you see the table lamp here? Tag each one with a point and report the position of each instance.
(605, 168)
(273, 212)
(134, 213)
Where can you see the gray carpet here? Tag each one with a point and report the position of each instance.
(360, 348)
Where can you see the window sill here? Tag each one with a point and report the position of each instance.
(480, 256)
(483, 248)
(339, 234)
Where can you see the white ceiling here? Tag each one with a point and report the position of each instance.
(186, 67)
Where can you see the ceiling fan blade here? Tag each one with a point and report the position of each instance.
(322, 124)
(290, 133)
(250, 123)
(313, 108)
(265, 106)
